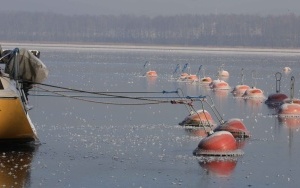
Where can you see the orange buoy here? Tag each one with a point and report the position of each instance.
(192, 78)
(199, 118)
(236, 127)
(183, 75)
(288, 110)
(239, 90)
(253, 93)
(206, 80)
(219, 85)
(151, 73)
(291, 100)
(221, 143)
(222, 72)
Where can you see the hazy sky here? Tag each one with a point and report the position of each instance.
(153, 7)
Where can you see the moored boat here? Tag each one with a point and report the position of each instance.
(22, 69)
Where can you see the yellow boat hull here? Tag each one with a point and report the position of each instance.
(15, 124)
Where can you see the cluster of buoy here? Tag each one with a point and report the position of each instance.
(247, 92)
(227, 138)
(287, 108)
(221, 140)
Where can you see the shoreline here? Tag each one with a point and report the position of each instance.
(72, 46)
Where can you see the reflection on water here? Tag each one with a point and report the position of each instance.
(221, 94)
(291, 123)
(219, 168)
(151, 80)
(15, 165)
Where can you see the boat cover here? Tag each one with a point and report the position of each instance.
(31, 68)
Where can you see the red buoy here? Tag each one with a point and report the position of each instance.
(206, 80)
(199, 118)
(289, 110)
(236, 127)
(239, 90)
(151, 73)
(192, 78)
(253, 93)
(221, 143)
(219, 84)
(292, 100)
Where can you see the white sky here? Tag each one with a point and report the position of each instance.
(154, 7)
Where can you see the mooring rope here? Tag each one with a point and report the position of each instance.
(110, 103)
(108, 95)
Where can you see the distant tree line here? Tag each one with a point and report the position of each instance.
(229, 30)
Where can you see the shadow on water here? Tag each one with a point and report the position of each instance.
(15, 165)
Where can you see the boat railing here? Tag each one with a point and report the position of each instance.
(13, 55)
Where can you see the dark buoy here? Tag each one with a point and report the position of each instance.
(236, 127)
(277, 98)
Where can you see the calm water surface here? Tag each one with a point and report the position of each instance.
(86, 144)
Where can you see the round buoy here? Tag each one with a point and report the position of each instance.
(183, 76)
(192, 78)
(288, 110)
(206, 80)
(151, 74)
(291, 100)
(253, 93)
(219, 84)
(239, 90)
(221, 143)
(236, 127)
(275, 99)
(199, 118)
(287, 69)
(223, 73)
